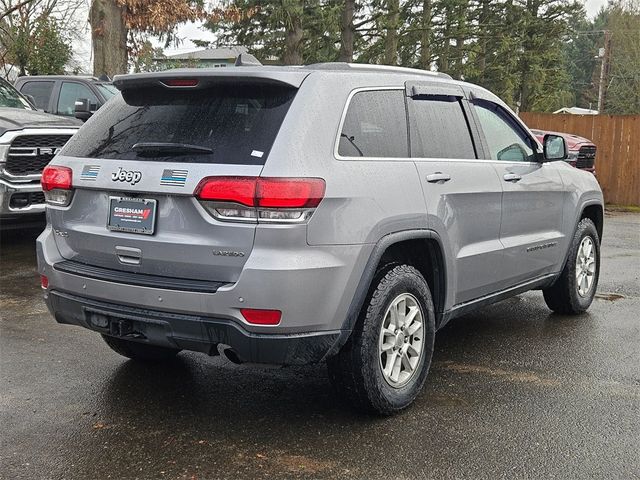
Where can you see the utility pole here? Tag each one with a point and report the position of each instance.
(604, 55)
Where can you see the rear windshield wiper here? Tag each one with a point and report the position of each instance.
(166, 148)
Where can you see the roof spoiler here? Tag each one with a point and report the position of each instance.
(198, 78)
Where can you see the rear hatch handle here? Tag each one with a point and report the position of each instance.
(129, 255)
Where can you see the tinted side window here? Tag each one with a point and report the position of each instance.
(507, 141)
(439, 129)
(375, 125)
(69, 93)
(40, 91)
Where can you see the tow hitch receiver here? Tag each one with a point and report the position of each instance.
(120, 328)
(117, 327)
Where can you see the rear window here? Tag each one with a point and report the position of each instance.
(239, 123)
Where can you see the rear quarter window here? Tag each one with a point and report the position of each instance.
(239, 123)
(375, 125)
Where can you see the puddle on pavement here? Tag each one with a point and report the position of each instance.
(611, 297)
(508, 375)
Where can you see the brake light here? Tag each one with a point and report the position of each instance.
(261, 317)
(181, 82)
(54, 176)
(258, 199)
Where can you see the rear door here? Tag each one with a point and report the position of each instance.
(134, 207)
(463, 195)
(41, 90)
(531, 227)
(69, 93)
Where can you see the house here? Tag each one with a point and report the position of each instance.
(206, 58)
(577, 111)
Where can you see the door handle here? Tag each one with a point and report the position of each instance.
(438, 177)
(512, 177)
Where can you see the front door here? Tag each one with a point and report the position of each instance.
(533, 192)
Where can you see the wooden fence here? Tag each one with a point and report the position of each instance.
(617, 138)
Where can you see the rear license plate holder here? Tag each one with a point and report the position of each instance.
(133, 215)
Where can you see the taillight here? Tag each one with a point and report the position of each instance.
(57, 184)
(261, 317)
(44, 282)
(257, 199)
(289, 192)
(240, 190)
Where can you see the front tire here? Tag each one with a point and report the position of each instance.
(140, 351)
(573, 291)
(384, 364)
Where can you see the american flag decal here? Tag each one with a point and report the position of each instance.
(174, 178)
(90, 172)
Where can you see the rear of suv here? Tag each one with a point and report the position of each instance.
(334, 212)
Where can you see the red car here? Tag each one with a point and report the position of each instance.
(582, 152)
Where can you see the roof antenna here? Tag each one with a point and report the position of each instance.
(246, 59)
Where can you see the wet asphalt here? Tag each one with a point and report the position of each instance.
(515, 392)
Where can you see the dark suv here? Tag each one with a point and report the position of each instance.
(58, 94)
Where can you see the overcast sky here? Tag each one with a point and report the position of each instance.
(82, 48)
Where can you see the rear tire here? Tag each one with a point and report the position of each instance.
(140, 351)
(573, 291)
(383, 366)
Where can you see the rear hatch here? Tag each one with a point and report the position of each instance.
(138, 161)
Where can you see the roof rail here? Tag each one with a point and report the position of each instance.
(366, 66)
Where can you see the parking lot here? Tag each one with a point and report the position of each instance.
(514, 392)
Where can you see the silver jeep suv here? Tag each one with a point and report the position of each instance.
(334, 212)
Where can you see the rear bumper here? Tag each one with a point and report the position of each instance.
(312, 286)
(190, 332)
(20, 199)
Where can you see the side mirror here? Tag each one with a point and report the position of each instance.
(554, 148)
(82, 109)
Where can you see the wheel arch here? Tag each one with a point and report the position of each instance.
(594, 212)
(419, 248)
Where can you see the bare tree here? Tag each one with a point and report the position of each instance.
(12, 9)
(23, 16)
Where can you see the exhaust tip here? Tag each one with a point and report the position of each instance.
(231, 356)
